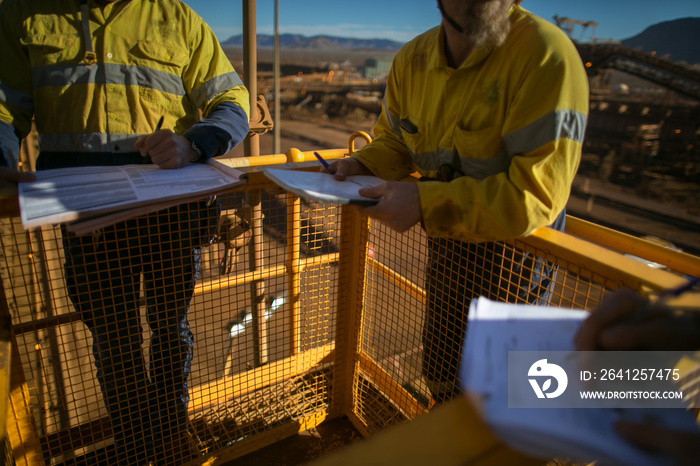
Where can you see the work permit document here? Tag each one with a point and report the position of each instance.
(496, 329)
(114, 193)
(323, 187)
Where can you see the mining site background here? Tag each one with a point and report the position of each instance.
(657, 197)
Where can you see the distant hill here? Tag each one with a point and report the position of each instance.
(297, 41)
(680, 39)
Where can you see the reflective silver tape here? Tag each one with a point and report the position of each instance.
(126, 75)
(87, 142)
(561, 124)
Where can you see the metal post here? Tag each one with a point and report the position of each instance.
(251, 144)
(276, 130)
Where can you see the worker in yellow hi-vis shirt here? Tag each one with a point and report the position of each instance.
(490, 108)
(117, 82)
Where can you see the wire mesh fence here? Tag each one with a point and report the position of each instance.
(173, 335)
(214, 327)
(416, 297)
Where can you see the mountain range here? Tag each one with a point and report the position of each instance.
(679, 39)
(298, 41)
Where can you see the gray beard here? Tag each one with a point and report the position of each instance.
(486, 24)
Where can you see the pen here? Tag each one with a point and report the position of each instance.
(323, 162)
(159, 125)
(663, 297)
(674, 292)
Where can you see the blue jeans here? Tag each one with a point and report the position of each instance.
(456, 273)
(146, 405)
(103, 276)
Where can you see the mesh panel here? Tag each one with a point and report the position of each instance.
(146, 342)
(298, 312)
(416, 297)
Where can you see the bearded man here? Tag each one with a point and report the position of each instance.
(490, 108)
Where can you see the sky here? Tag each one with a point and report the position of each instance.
(401, 20)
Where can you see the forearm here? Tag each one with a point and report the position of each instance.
(225, 126)
(530, 194)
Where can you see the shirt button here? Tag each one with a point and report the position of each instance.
(111, 87)
(109, 28)
(109, 55)
(113, 116)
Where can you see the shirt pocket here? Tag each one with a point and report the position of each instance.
(157, 58)
(52, 49)
(171, 58)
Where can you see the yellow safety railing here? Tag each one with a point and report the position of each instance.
(321, 315)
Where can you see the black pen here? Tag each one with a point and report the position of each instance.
(323, 162)
(658, 306)
(665, 295)
(159, 125)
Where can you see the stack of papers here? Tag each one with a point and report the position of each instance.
(89, 198)
(582, 434)
(323, 187)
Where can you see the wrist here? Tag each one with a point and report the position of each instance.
(197, 152)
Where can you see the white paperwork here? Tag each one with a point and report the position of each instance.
(73, 194)
(582, 434)
(323, 187)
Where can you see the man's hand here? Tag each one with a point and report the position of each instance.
(684, 447)
(616, 325)
(9, 177)
(166, 149)
(342, 168)
(398, 207)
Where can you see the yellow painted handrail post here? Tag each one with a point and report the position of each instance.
(257, 286)
(293, 245)
(16, 407)
(352, 264)
(251, 144)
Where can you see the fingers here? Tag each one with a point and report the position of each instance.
(683, 446)
(614, 308)
(166, 149)
(148, 142)
(343, 168)
(375, 192)
(398, 207)
(635, 335)
(15, 176)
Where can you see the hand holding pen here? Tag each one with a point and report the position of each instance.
(159, 125)
(342, 168)
(326, 168)
(165, 148)
(624, 320)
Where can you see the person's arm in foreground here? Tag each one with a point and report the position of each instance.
(618, 325)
